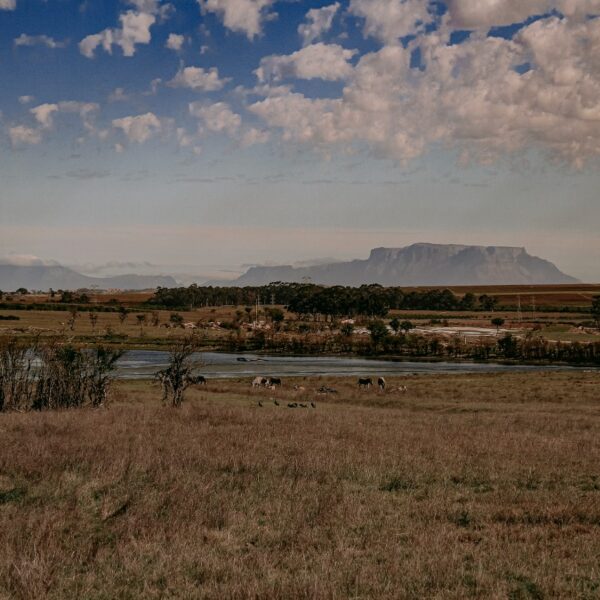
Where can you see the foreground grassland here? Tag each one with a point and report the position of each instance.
(482, 486)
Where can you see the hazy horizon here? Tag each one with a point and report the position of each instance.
(197, 136)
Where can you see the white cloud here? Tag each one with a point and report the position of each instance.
(469, 97)
(118, 95)
(184, 139)
(319, 21)
(44, 114)
(175, 42)
(21, 135)
(317, 61)
(198, 79)
(241, 16)
(26, 99)
(217, 117)
(8, 4)
(389, 20)
(139, 128)
(479, 14)
(39, 40)
(253, 136)
(134, 29)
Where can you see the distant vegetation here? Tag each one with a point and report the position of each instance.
(316, 300)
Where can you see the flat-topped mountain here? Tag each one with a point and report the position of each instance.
(422, 265)
(44, 277)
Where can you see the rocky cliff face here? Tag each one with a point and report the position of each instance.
(13, 277)
(423, 265)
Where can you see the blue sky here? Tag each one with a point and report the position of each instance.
(197, 136)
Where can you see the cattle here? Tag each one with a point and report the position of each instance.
(381, 383)
(259, 382)
(365, 382)
(293, 405)
(274, 381)
(299, 388)
(200, 380)
(313, 405)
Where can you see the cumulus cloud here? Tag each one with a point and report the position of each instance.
(139, 128)
(175, 42)
(479, 14)
(198, 79)
(484, 97)
(317, 61)
(134, 29)
(20, 135)
(26, 99)
(389, 20)
(217, 117)
(318, 22)
(8, 4)
(39, 40)
(253, 136)
(241, 16)
(44, 114)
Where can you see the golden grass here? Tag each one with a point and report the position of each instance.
(482, 486)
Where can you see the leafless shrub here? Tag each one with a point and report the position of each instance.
(52, 376)
(178, 376)
(17, 380)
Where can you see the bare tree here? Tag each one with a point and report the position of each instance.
(93, 320)
(178, 376)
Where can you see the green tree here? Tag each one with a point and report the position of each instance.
(378, 331)
(488, 302)
(122, 315)
(596, 310)
(395, 324)
(406, 326)
(497, 322)
(347, 329)
(468, 301)
(141, 320)
(176, 319)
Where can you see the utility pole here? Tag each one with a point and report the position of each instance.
(519, 313)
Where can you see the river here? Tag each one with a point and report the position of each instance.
(142, 364)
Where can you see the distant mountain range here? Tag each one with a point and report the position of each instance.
(422, 265)
(44, 277)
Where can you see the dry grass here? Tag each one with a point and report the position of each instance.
(466, 486)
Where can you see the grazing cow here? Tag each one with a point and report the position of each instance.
(259, 382)
(299, 388)
(381, 384)
(275, 403)
(293, 405)
(200, 380)
(313, 405)
(365, 382)
(273, 381)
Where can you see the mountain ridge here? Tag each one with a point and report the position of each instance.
(422, 264)
(44, 277)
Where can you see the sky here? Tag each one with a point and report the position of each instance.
(195, 137)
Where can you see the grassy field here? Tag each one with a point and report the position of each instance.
(481, 486)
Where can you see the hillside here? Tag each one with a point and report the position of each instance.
(42, 277)
(423, 265)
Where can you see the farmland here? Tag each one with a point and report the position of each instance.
(464, 486)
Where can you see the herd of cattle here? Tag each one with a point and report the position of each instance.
(363, 383)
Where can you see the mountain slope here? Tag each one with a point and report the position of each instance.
(13, 277)
(423, 265)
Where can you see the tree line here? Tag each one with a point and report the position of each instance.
(319, 301)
